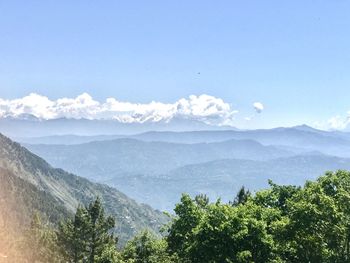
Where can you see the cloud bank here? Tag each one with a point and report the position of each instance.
(203, 108)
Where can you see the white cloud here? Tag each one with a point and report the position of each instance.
(258, 106)
(337, 122)
(204, 108)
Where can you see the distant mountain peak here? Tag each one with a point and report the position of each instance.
(23, 116)
(305, 127)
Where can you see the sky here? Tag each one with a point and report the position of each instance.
(292, 58)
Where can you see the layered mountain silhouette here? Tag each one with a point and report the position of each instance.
(156, 167)
(102, 160)
(28, 125)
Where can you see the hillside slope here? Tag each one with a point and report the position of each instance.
(29, 184)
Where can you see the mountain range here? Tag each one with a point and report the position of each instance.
(302, 137)
(156, 167)
(102, 160)
(30, 126)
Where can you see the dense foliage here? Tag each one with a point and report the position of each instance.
(279, 224)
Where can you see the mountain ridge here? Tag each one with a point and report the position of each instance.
(120, 157)
(223, 178)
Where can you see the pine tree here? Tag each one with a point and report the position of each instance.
(99, 238)
(87, 237)
(242, 196)
(72, 236)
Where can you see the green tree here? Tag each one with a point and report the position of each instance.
(72, 236)
(222, 232)
(147, 248)
(318, 227)
(180, 233)
(99, 238)
(241, 197)
(202, 200)
(88, 237)
(314, 226)
(276, 196)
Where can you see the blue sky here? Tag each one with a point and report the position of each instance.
(293, 56)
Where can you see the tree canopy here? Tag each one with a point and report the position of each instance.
(283, 223)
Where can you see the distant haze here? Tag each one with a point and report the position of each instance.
(156, 167)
